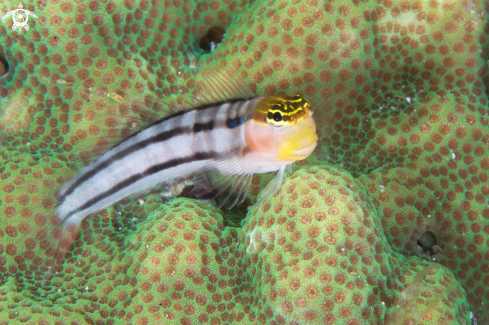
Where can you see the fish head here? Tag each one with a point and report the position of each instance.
(282, 129)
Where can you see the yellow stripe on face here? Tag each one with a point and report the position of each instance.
(281, 110)
(286, 110)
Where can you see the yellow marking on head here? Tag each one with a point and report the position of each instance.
(282, 110)
(282, 128)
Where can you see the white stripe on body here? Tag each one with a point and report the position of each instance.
(146, 182)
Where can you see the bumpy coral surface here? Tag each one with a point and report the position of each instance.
(404, 83)
(315, 253)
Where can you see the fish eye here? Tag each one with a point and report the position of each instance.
(277, 117)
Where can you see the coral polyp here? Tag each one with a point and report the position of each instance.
(399, 95)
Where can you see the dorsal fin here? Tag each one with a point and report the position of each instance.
(221, 85)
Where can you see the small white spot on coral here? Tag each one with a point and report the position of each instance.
(63, 82)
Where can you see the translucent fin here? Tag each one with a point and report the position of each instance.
(224, 189)
(221, 85)
(61, 234)
(223, 180)
(274, 185)
(51, 236)
(239, 183)
(109, 116)
(242, 190)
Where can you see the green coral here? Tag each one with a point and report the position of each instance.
(325, 263)
(399, 92)
(323, 259)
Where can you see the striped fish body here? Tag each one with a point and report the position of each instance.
(237, 137)
(180, 144)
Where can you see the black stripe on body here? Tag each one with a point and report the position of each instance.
(198, 108)
(148, 172)
(200, 127)
(161, 137)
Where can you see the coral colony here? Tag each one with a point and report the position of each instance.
(387, 226)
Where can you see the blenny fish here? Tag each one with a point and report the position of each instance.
(237, 137)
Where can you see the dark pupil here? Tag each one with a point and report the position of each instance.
(277, 117)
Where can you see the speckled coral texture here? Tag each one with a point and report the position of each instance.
(404, 83)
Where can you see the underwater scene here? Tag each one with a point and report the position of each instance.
(244, 162)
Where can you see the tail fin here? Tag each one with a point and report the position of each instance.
(58, 240)
(44, 239)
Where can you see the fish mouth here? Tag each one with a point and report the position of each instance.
(305, 151)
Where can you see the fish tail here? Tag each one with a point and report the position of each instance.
(48, 238)
(61, 235)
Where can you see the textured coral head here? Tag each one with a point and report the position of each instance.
(282, 128)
